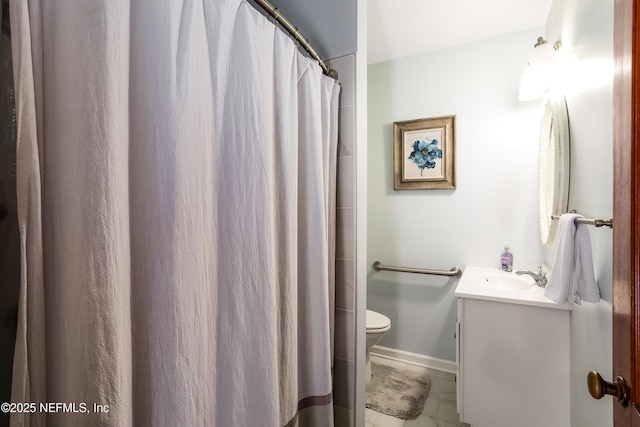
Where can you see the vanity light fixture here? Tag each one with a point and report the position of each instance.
(539, 73)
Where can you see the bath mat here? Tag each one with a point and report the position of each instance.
(400, 393)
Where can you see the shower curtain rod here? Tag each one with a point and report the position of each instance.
(295, 33)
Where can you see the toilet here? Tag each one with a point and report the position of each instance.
(377, 325)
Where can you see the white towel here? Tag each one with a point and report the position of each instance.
(572, 277)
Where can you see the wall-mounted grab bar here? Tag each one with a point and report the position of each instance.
(597, 222)
(455, 271)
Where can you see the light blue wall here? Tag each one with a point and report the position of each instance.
(585, 28)
(330, 25)
(495, 199)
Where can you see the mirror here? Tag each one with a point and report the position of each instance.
(553, 167)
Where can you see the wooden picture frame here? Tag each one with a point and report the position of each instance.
(424, 154)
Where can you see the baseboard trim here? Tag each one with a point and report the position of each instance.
(414, 358)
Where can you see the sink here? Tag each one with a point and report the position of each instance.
(496, 285)
(507, 281)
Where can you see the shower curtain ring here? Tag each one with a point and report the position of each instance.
(296, 40)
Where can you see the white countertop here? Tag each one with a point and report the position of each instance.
(492, 284)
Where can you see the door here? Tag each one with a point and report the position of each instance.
(626, 208)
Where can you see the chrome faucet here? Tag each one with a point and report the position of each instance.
(540, 278)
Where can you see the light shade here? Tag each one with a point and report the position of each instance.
(539, 73)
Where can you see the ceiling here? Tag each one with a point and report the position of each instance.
(398, 28)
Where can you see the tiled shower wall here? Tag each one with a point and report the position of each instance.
(344, 361)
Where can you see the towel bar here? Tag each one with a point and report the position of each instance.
(455, 271)
(597, 222)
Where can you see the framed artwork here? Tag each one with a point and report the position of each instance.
(424, 154)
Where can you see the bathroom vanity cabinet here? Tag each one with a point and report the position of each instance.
(512, 355)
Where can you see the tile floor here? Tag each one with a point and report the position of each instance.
(439, 410)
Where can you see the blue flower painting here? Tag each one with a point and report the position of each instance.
(425, 153)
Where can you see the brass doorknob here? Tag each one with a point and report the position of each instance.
(599, 387)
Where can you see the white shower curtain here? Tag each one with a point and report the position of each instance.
(176, 179)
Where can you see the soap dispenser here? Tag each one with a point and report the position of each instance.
(506, 259)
